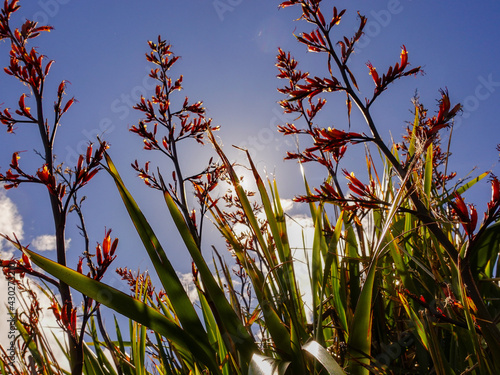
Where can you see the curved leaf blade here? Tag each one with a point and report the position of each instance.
(324, 357)
(129, 307)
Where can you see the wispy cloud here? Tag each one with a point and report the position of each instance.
(186, 280)
(47, 324)
(10, 222)
(46, 242)
(287, 204)
(300, 229)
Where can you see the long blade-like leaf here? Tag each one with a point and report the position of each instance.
(324, 357)
(129, 307)
(262, 365)
(228, 319)
(164, 269)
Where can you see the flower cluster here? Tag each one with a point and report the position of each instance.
(159, 112)
(362, 196)
(139, 280)
(65, 316)
(467, 213)
(393, 73)
(444, 116)
(163, 128)
(19, 267)
(187, 122)
(26, 65)
(86, 168)
(105, 254)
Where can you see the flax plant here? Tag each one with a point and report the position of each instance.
(402, 276)
(63, 183)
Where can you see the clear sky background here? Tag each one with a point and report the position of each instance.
(228, 50)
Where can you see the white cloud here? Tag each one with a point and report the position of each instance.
(186, 280)
(287, 204)
(49, 327)
(300, 230)
(10, 222)
(46, 242)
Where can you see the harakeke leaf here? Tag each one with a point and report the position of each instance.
(129, 307)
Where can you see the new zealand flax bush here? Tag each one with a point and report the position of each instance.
(403, 277)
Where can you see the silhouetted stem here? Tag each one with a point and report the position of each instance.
(76, 350)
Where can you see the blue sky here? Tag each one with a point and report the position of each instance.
(228, 50)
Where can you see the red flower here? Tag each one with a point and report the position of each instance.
(374, 74)
(468, 220)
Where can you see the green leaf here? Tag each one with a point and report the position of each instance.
(360, 333)
(31, 344)
(319, 247)
(229, 323)
(485, 250)
(462, 189)
(164, 269)
(428, 171)
(262, 365)
(411, 148)
(277, 329)
(417, 323)
(332, 269)
(324, 357)
(129, 307)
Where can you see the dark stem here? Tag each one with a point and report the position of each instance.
(76, 352)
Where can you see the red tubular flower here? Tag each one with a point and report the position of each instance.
(494, 203)
(470, 225)
(114, 245)
(68, 319)
(73, 322)
(27, 262)
(60, 89)
(64, 315)
(88, 176)
(329, 191)
(444, 107)
(98, 254)
(444, 115)
(468, 218)
(79, 267)
(44, 174)
(15, 157)
(321, 18)
(79, 166)
(285, 4)
(106, 244)
(404, 58)
(495, 191)
(354, 181)
(88, 157)
(56, 310)
(460, 208)
(374, 74)
(338, 153)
